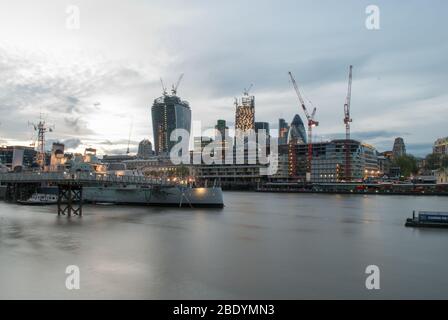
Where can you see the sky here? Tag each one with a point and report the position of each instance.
(95, 84)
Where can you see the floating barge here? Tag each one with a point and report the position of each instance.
(428, 219)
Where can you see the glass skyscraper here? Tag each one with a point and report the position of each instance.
(283, 129)
(297, 130)
(262, 126)
(168, 112)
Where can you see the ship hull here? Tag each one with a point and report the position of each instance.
(2, 192)
(153, 196)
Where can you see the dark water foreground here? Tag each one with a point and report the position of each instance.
(261, 245)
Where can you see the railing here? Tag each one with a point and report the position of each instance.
(78, 177)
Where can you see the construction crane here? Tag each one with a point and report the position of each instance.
(246, 91)
(174, 88)
(347, 120)
(163, 87)
(311, 123)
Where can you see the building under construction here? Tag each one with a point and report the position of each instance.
(169, 112)
(245, 113)
(328, 161)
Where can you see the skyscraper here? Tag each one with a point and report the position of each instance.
(297, 133)
(399, 148)
(221, 127)
(144, 149)
(169, 112)
(220, 130)
(261, 126)
(245, 113)
(283, 129)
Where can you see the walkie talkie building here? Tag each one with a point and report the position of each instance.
(168, 112)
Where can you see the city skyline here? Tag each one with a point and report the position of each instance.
(92, 83)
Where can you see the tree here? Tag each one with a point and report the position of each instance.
(444, 161)
(435, 161)
(407, 164)
(432, 161)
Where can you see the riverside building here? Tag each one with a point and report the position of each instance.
(329, 159)
(441, 146)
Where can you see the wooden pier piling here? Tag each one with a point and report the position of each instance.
(70, 199)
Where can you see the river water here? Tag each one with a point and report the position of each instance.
(260, 246)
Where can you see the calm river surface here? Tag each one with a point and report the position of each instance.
(260, 246)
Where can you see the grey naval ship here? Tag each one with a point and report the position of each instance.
(155, 193)
(176, 195)
(121, 187)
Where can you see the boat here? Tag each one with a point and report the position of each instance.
(155, 195)
(174, 195)
(128, 187)
(41, 199)
(428, 219)
(181, 196)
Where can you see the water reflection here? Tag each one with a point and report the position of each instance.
(258, 246)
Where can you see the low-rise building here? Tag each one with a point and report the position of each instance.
(442, 176)
(17, 156)
(441, 146)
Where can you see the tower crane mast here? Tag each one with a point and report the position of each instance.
(246, 90)
(347, 120)
(311, 123)
(163, 87)
(174, 88)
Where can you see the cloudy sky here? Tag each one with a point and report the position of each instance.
(92, 83)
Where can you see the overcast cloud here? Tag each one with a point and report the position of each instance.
(92, 83)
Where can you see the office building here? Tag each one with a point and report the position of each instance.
(328, 161)
(283, 130)
(399, 148)
(169, 112)
(245, 114)
(17, 157)
(297, 133)
(262, 126)
(221, 127)
(441, 146)
(144, 149)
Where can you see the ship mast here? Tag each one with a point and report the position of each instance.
(41, 128)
